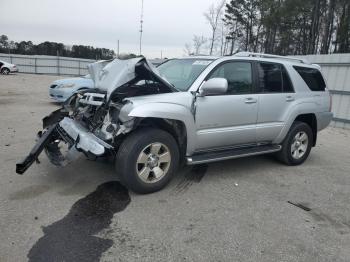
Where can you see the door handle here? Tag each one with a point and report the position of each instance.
(250, 100)
(289, 98)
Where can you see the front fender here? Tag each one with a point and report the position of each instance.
(170, 111)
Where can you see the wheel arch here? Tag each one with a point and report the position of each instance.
(4, 67)
(311, 120)
(176, 128)
(173, 118)
(303, 115)
(83, 88)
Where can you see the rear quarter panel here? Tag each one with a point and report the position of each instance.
(306, 102)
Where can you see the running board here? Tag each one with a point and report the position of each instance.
(214, 156)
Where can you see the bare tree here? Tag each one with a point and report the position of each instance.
(213, 17)
(188, 49)
(198, 41)
(224, 31)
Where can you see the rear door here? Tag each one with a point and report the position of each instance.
(276, 96)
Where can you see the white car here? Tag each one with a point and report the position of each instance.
(6, 68)
(60, 90)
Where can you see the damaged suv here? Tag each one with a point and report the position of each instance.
(192, 110)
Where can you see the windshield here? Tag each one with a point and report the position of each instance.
(183, 72)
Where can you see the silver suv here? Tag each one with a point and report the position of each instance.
(188, 111)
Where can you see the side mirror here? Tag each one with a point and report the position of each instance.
(214, 86)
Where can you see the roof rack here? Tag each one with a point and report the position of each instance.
(250, 54)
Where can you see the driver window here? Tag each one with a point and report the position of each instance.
(238, 75)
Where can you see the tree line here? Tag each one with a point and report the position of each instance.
(53, 49)
(283, 27)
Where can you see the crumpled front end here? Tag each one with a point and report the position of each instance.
(94, 122)
(85, 124)
(63, 140)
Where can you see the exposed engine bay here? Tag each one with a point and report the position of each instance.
(94, 121)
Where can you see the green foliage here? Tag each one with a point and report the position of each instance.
(3, 41)
(53, 49)
(289, 27)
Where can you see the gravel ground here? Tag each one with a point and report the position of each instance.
(251, 209)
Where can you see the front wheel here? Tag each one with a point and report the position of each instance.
(5, 71)
(297, 144)
(147, 159)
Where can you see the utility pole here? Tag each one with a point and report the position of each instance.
(118, 49)
(141, 22)
(161, 54)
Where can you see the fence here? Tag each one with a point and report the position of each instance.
(336, 69)
(54, 65)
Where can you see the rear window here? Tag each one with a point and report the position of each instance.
(312, 78)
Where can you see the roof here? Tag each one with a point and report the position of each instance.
(259, 57)
(273, 58)
(208, 57)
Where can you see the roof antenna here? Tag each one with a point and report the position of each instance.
(141, 22)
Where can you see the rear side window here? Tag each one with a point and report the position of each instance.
(312, 78)
(273, 78)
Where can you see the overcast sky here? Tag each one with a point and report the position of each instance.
(168, 24)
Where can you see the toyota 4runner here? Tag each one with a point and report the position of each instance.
(190, 110)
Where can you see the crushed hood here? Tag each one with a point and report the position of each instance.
(110, 75)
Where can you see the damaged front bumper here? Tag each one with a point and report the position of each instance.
(76, 137)
(83, 139)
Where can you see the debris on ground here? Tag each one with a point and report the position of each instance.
(300, 206)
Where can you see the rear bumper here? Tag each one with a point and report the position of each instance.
(72, 134)
(323, 120)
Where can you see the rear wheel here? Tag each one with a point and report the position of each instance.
(297, 144)
(147, 159)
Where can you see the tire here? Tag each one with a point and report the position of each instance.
(295, 149)
(5, 71)
(139, 160)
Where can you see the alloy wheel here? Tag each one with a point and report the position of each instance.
(153, 162)
(299, 145)
(5, 71)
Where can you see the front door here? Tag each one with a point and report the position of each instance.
(230, 119)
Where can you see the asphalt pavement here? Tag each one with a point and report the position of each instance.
(251, 209)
